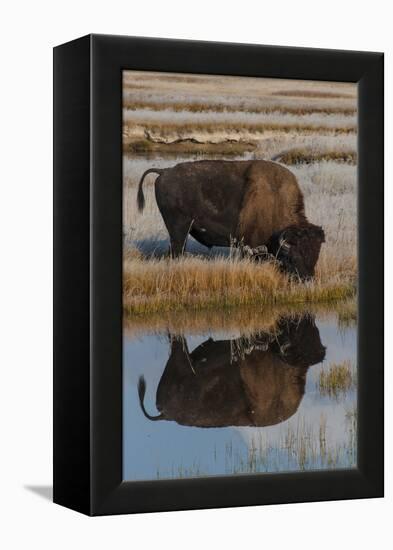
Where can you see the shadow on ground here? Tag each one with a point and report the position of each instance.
(44, 491)
(159, 249)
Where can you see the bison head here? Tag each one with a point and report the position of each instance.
(296, 248)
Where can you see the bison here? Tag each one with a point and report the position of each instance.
(256, 381)
(249, 203)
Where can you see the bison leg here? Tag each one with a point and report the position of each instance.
(178, 233)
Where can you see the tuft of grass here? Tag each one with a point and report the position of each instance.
(304, 156)
(193, 282)
(337, 379)
(348, 316)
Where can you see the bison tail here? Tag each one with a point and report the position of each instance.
(140, 196)
(141, 394)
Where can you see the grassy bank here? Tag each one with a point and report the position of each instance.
(198, 283)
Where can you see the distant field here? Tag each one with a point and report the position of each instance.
(309, 126)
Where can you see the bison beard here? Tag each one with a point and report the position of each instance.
(256, 203)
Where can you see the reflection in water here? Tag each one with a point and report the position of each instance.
(253, 381)
(257, 391)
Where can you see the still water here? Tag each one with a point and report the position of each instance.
(221, 402)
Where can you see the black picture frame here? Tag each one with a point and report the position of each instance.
(88, 274)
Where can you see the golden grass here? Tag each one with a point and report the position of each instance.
(337, 379)
(204, 107)
(183, 129)
(156, 285)
(304, 156)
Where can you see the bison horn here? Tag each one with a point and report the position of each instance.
(284, 244)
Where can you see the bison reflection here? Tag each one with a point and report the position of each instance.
(254, 381)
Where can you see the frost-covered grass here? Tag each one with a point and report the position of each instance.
(237, 118)
(219, 131)
(177, 86)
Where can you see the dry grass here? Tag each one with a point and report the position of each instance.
(174, 94)
(198, 283)
(205, 107)
(187, 147)
(313, 93)
(348, 316)
(181, 130)
(337, 379)
(177, 84)
(304, 156)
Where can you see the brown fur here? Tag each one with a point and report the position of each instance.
(271, 202)
(216, 201)
(247, 203)
(297, 248)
